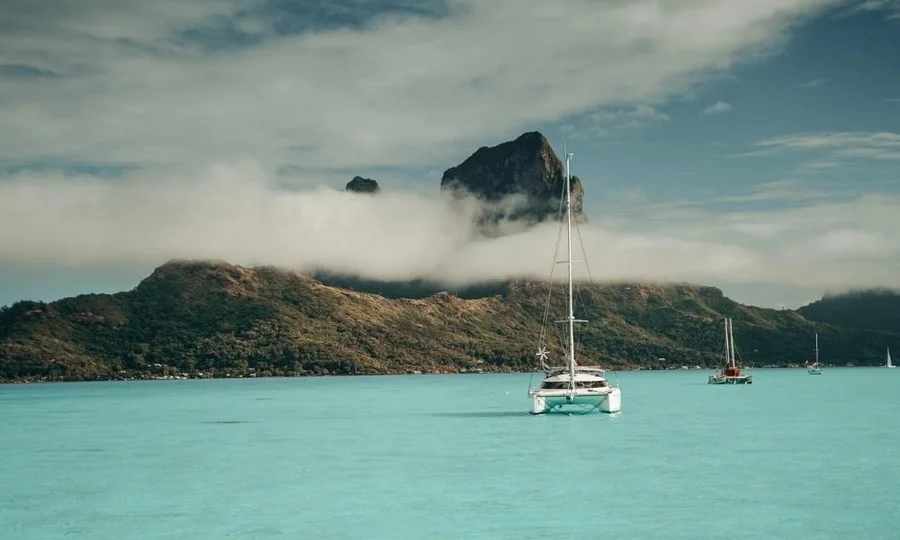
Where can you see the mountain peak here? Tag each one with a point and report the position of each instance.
(526, 167)
(360, 184)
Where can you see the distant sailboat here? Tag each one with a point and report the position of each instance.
(816, 368)
(730, 373)
(888, 363)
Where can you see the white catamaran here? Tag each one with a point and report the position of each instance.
(888, 363)
(572, 388)
(730, 373)
(816, 367)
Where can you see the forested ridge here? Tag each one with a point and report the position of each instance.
(211, 319)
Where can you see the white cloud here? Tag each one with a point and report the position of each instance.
(844, 144)
(850, 242)
(890, 6)
(760, 229)
(778, 190)
(232, 211)
(818, 165)
(396, 92)
(718, 107)
(637, 117)
(815, 83)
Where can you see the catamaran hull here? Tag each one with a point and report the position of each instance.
(610, 402)
(740, 379)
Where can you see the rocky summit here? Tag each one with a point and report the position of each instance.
(362, 185)
(526, 167)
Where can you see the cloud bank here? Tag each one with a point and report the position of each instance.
(237, 212)
(844, 144)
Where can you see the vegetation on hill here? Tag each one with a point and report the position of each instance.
(205, 319)
(874, 309)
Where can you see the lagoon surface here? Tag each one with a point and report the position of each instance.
(791, 456)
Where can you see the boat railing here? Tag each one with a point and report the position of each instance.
(564, 369)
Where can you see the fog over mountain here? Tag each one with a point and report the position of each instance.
(241, 212)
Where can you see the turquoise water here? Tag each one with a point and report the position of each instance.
(792, 456)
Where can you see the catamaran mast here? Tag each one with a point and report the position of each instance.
(570, 301)
(731, 342)
(727, 345)
(817, 349)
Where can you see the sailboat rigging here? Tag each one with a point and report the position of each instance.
(730, 373)
(816, 368)
(571, 388)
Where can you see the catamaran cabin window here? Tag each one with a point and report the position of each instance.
(554, 385)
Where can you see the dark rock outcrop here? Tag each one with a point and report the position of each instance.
(527, 167)
(362, 185)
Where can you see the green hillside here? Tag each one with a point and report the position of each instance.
(216, 319)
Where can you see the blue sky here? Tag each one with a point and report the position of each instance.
(748, 145)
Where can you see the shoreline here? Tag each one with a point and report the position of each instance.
(252, 375)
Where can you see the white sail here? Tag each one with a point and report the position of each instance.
(889, 364)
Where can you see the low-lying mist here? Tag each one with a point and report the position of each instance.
(238, 213)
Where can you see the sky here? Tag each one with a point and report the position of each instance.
(752, 146)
